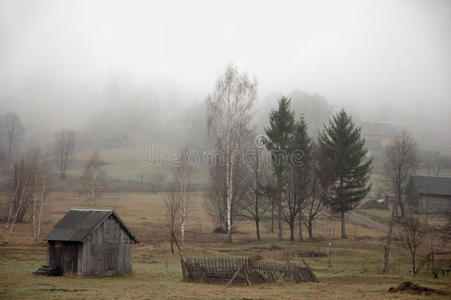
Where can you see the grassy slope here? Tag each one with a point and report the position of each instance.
(125, 163)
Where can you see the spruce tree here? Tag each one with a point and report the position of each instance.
(278, 142)
(300, 180)
(342, 143)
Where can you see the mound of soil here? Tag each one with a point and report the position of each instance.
(413, 288)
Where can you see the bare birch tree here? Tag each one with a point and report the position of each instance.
(216, 196)
(401, 161)
(256, 202)
(182, 177)
(322, 180)
(21, 183)
(64, 147)
(93, 179)
(43, 180)
(293, 200)
(229, 111)
(172, 204)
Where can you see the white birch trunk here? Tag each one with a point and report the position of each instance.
(41, 205)
(229, 190)
(34, 207)
(8, 234)
(183, 194)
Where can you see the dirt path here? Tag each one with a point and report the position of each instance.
(360, 219)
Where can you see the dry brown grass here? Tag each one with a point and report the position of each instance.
(353, 273)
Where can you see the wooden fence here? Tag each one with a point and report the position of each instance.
(243, 270)
(437, 263)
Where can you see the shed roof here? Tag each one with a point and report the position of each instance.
(432, 185)
(78, 224)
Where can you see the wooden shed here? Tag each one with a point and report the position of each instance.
(430, 194)
(91, 242)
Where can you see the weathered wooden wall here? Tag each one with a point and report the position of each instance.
(63, 254)
(434, 204)
(108, 251)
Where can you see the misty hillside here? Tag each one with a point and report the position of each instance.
(225, 149)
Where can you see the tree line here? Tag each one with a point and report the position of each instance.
(304, 174)
(27, 177)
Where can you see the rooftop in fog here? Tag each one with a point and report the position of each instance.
(432, 185)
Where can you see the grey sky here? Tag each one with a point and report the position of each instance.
(367, 52)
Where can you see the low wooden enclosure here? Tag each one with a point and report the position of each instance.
(243, 271)
(437, 263)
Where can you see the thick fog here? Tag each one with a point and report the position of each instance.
(75, 64)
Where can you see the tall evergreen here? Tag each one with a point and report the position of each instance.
(299, 179)
(278, 142)
(301, 140)
(341, 142)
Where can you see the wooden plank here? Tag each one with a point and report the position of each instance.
(233, 278)
(246, 274)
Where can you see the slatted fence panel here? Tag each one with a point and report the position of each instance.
(222, 269)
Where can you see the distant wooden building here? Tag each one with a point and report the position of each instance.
(91, 242)
(384, 133)
(431, 194)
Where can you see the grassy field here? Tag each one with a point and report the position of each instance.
(134, 163)
(354, 271)
(143, 162)
(379, 215)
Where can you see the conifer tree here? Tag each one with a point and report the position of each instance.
(341, 142)
(278, 142)
(302, 165)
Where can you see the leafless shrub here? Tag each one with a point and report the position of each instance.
(411, 235)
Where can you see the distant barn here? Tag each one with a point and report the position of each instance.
(383, 132)
(430, 194)
(91, 242)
